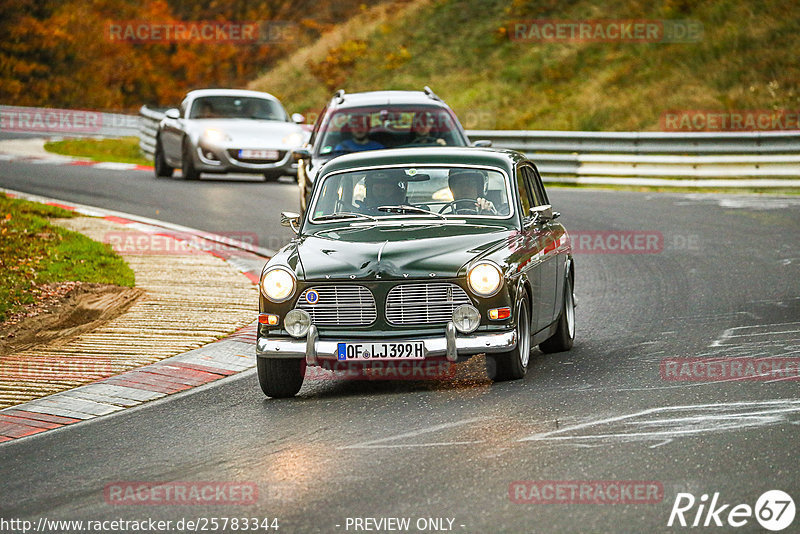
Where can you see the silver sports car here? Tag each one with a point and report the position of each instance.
(228, 130)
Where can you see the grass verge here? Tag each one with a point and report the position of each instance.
(34, 252)
(122, 150)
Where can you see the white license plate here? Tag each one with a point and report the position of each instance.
(362, 352)
(258, 154)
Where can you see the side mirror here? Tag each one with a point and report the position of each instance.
(298, 118)
(172, 114)
(483, 143)
(301, 153)
(542, 214)
(290, 219)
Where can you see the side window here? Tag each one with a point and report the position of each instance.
(524, 192)
(315, 130)
(536, 197)
(536, 184)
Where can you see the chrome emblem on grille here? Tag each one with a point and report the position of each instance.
(312, 297)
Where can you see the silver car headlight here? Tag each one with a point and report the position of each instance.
(484, 279)
(278, 284)
(214, 135)
(293, 139)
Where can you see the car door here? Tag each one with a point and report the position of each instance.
(542, 232)
(531, 245)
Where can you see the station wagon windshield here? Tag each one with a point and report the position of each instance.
(417, 192)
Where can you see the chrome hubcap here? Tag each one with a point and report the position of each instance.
(569, 305)
(523, 329)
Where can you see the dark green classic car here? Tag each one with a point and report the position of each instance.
(417, 255)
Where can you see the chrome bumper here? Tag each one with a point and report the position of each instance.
(452, 345)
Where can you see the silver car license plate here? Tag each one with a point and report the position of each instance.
(258, 154)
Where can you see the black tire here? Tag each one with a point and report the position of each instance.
(272, 176)
(281, 378)
(188, 170)
(564, 337)
(513, 365)
(160, 164)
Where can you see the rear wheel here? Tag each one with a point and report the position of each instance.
(564, 337)
(281, 378)
(188, 170)
(160, 164)
(513, 365)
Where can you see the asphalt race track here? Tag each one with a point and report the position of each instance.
(724, 283)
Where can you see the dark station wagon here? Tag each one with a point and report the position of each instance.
(417, 254)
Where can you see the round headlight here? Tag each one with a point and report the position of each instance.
(278, 284)
(466, 318)
(484, 279)
(297, 323)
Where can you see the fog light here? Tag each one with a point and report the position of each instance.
(297, 323)
(466, 318)
(499, 313)
(268, 318)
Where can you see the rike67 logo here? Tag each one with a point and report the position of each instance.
(774, 511)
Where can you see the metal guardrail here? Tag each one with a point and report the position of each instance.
(148, 127)
(709, 155)
(572, 156)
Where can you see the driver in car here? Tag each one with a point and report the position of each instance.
(468, 187)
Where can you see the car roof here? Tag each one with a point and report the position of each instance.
(425, 156)
(384, 98)
(229, 92)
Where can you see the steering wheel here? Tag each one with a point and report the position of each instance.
(472, 210)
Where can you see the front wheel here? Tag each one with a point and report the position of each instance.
(188, 169)
(281, 378)
(272, 176)
(564, 337)
(160, 164)
(513, 365)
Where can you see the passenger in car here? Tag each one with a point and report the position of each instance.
(359, 128)
(469, 185)
(422, 126)
(383, 189)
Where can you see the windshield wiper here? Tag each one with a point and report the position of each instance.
(405, 208)
(344, 215)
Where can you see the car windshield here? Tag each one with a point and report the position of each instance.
(369, 128)
(237, 107)
(418, 192)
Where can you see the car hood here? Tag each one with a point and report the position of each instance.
(429, 250)
(247, 133)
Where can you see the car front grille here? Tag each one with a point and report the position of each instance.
(340, 306)
(420, 304)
